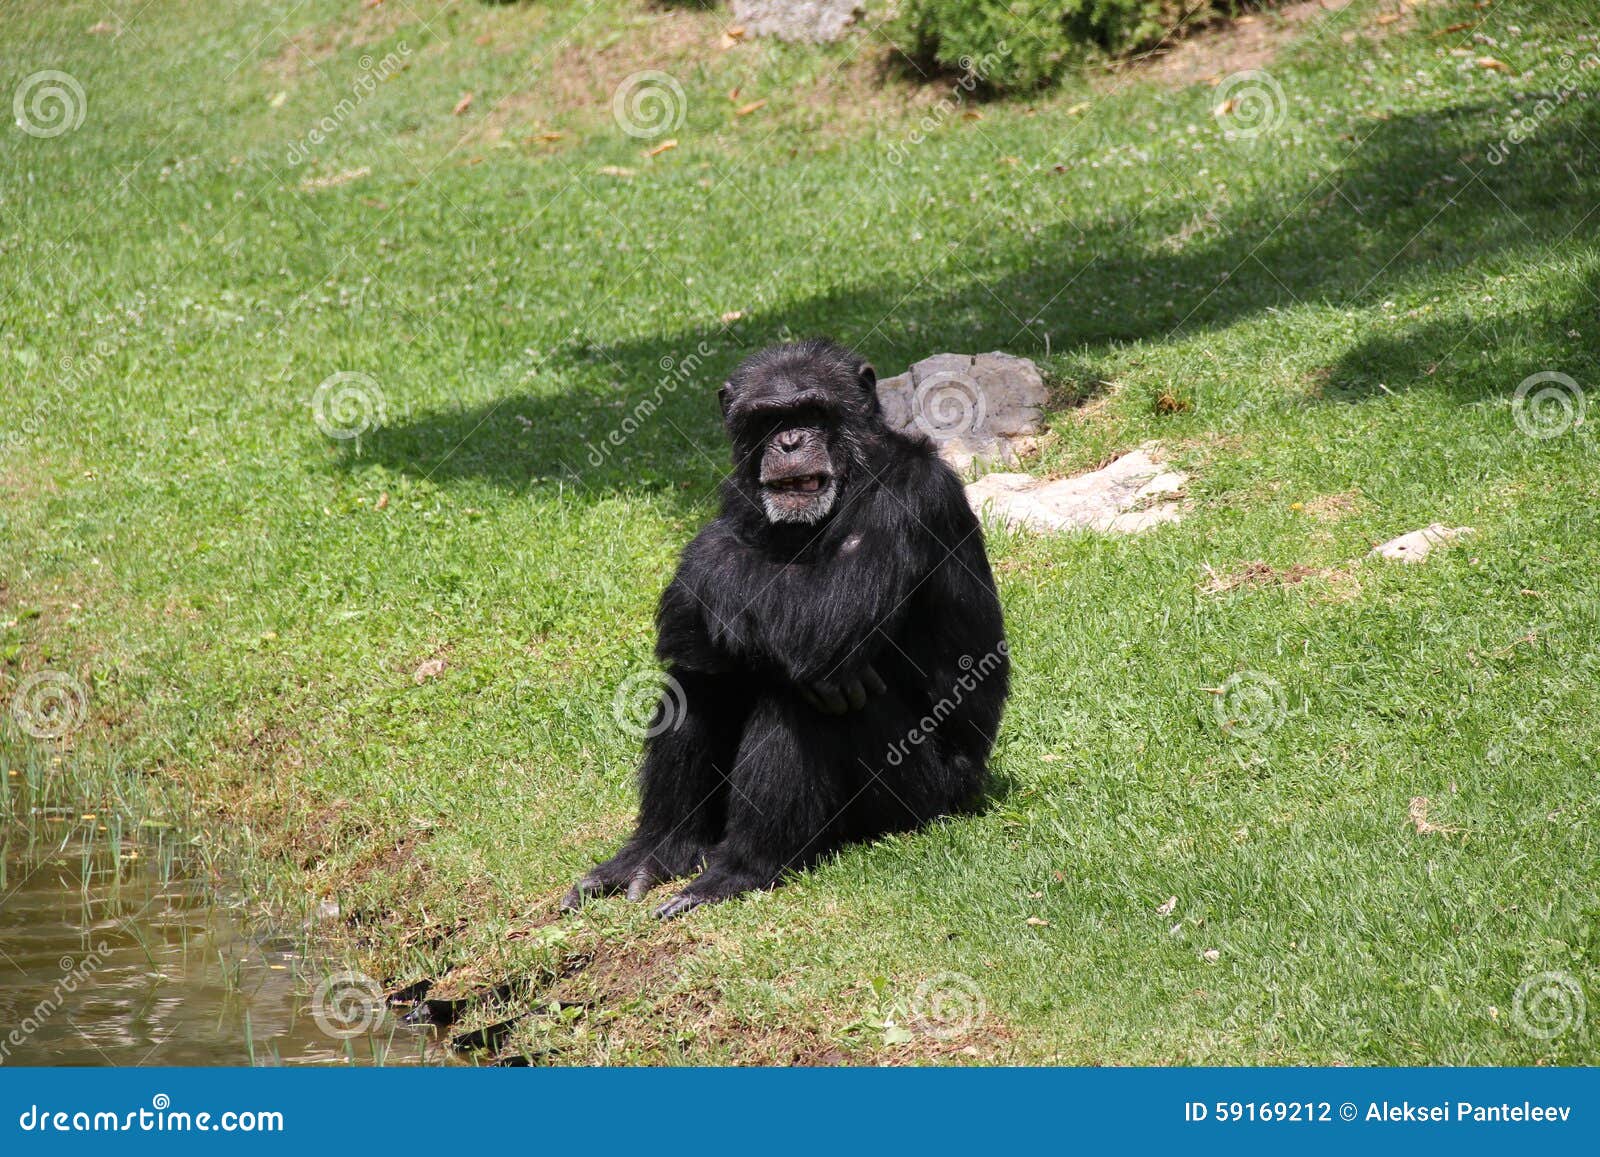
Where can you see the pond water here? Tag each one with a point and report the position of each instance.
(113, 953)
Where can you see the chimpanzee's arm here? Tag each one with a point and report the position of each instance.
(820, 622)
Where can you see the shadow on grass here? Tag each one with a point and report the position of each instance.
(1417, 200)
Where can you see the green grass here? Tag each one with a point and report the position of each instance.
(1344, 306)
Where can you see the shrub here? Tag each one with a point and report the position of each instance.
(1017, 44)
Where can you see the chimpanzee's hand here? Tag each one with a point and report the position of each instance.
(846, 695)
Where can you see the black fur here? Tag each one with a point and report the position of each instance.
(841, 677)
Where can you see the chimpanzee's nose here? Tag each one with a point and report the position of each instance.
(790, 440)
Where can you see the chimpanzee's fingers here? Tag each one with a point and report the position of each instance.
(873, 680)
(805, 693)
(832, 701)
(856, 694)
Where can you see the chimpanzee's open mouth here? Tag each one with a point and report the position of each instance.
(798, 484)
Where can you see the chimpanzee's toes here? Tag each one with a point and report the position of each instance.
(582, 892)
(643, 880)
(678, 905)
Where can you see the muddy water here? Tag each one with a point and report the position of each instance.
(113, 953)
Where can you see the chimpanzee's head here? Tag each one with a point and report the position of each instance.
(800, 417)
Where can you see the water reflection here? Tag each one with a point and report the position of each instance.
(111, 953)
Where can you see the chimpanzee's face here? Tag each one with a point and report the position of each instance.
(793, 418)
(790, 445)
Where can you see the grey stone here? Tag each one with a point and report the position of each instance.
(1416, 546)
(1132, 494)
(981, 409)
(809, 21)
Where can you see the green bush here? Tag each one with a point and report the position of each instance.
(1016, 44)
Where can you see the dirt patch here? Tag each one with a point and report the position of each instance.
(22, 481)
(306, 50)
(1254, 41)
(580, 76)
(1334, 507)
(1417, 817)
(1256, 574)
(866, 85)
(334, 180)
(1336, 581)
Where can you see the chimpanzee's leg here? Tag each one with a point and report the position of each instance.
(783, 805)
(683, 787)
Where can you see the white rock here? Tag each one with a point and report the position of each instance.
(1414, 547)
(982, 408)
(1124, 497)
(809, 21)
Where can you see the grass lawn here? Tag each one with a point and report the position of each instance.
(1324, 322)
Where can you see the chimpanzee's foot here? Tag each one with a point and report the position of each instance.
(712, 887)
(677, 906)
(632, 871)
(586, 889)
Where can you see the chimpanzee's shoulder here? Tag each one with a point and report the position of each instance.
(913, 468)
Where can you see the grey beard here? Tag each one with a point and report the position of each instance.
(814, 511)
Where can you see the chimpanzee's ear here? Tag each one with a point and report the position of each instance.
(868, 377)
(722, 399)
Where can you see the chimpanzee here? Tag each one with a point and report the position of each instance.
(836, 659)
